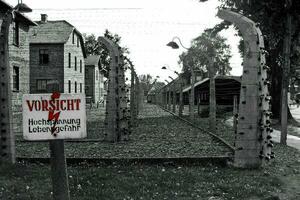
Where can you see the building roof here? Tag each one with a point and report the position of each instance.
(21, 17)
(157, 86)
(54, 32)
(92, 60)
(236, 78)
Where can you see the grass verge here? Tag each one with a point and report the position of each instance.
(89, 182)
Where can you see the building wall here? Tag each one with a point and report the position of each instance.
(70, 74)
(89, 82)
(101, 86)
(51, 71)
(18, 57)
(94, 81)
(97, 85)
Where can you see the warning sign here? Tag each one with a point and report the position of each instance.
(54, 116)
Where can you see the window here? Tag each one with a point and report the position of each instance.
(78, 42)
(47, 85)
(80, 66)
(97, 75)
(75, 63)
(75, 87)
(69, 83)
(73, 38)
(44, 56)
(16, 40)
(41, 85)
(69, 60)
(16, 79)
(80, 87)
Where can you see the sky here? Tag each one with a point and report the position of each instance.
(145, 26)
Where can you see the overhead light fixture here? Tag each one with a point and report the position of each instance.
(173, 45)
(22, 7)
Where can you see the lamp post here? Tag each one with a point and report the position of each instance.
(174, 45)
(166, 67)
(168, 89)
(180, 109)
(212, 91)
(173, 102)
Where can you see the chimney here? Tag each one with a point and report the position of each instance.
(44, 18)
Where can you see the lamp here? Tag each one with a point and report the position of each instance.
(174, 45)
(22, 7)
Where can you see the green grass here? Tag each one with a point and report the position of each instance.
(89, 182)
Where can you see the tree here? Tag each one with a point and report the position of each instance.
(196, 56)
(269, 17)
(92, 47)
(146, 82)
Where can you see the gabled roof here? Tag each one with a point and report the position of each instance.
(54, 32)
(20, 16)
(221, 77)
(92, 60)
(157, 86)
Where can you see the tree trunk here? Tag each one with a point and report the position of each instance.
(285, 79)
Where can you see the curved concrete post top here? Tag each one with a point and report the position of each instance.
(110, 45)
(253, 144)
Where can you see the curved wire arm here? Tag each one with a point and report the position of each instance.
(174, 44)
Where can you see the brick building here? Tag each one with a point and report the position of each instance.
(56, 57)
(94, 79)
(18, 47)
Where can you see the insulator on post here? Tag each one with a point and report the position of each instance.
(264, 52)
(268, 98)
(267, 158)
(272, 155)
(271, 130)
(267, 82)
(265, 67)
(270, 145)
